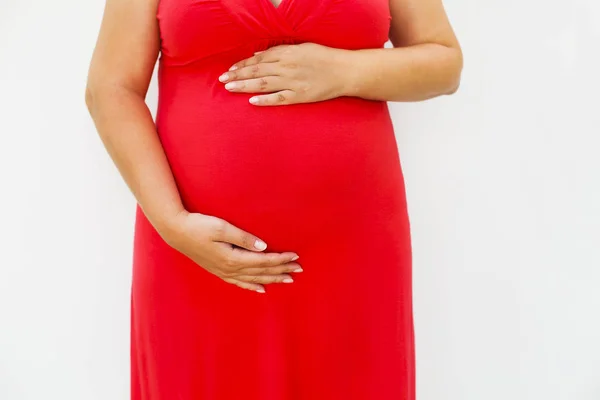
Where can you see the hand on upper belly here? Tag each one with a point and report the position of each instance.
(230, 253)
(289, 74)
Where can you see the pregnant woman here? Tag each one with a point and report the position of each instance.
(272, 252)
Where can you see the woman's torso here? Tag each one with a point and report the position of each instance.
(261, 167)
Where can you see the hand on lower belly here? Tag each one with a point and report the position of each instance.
(236, 256)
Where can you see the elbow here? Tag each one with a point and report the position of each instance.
(89, 98)
(99, 92)
(96, 89)
(456, 74)
(96, 93)
(91, 92)
(454, 88)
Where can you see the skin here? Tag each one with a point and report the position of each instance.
(426, 63)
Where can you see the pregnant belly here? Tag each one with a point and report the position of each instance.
(264, 167)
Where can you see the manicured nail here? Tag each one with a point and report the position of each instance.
(223, 77)
(260, 290)
(233, 68)
(288, 280)
(253, 100)
(230, 85)
(298, 270)
(260, 245)
(295, 257)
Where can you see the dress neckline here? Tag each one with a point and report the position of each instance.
(276, 6)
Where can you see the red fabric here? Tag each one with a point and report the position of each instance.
(321, 179)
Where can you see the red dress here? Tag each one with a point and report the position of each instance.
(321, 179)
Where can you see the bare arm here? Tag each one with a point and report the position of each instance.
(426, 62)
(119, 75)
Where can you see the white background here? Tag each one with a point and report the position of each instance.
(503, 180)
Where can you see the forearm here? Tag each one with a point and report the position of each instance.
(413, 73)
(126, 128)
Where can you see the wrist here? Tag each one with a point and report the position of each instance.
(170, 225)
(346, 72)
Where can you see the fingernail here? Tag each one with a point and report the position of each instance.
(230, 85)
(233, 68)
(288, 280)
(223, 77)
(253, 100)
(260, 245)
(260, 290)
(295, 257)
(298, 270)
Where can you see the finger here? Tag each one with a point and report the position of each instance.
(230, 233)
(265, 279)
(274, 99)
(241, 258)
(246, 285)
(280, 269)
(251, 71)
(267, 84)
(269, 55)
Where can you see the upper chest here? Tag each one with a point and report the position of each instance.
(203, 27)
